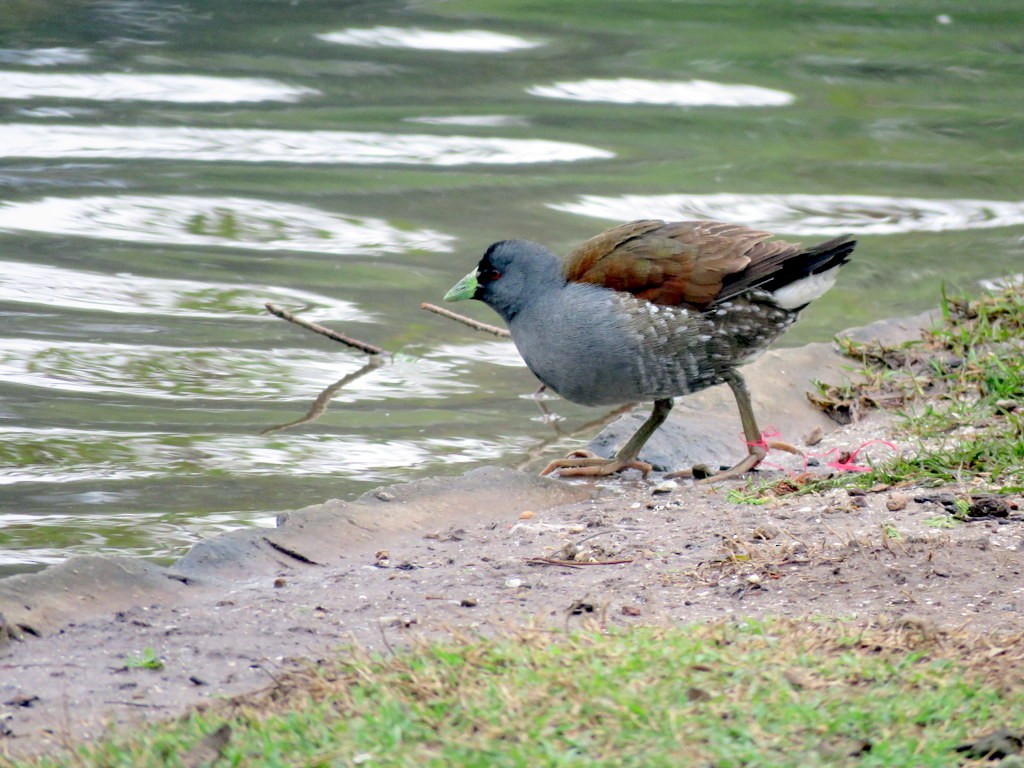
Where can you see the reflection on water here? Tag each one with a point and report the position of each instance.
(475, 121)
(273, 375)
(692, 93)
(463, 41)
(68, 455)
(502, 353)
(184, 89)
(132, 294)
(322, 401)
(168, 372)
(43, 57)
(808, 214)
(217, 221)
(265, 146)
(145, 17)
(54, 112)
(67, 534)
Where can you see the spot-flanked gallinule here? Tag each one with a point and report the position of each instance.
(650, 311)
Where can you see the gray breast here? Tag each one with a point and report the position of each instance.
(595, 347)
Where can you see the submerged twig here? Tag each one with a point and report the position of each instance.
(319, 406)
(475, 324)
(284, 314)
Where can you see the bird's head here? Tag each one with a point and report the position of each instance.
(510, 275)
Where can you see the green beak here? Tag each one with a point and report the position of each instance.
(464, 289)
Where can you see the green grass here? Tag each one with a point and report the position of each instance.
(959, 393)
(148, 659)
(747, 694)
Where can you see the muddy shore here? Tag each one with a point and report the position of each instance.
(494, 548)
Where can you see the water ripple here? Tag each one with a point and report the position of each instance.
(210, 373)
(692, 93)
(233, 222)
(245, 145)
(43, 57)
(132, 294)
(462, 41)
(475, 121)
(69, 455)
(136, 533)
(809, 214)
(183, 89)
(503, 353)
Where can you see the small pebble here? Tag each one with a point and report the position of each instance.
(814, 437)
(526, 515)
(280, 582)
(666, 487)
(765, 532)
(630, 610)
(896, 502)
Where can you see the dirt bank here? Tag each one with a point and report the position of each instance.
(492, 548)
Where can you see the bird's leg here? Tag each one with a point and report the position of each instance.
(756, 445)
(583, 464)
(758, 448)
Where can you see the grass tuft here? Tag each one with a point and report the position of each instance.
(781, 693)
(959, 393)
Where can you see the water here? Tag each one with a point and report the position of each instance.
(165, 169)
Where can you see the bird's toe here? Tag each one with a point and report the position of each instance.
(593, 466)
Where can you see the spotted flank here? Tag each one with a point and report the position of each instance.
(679, 350)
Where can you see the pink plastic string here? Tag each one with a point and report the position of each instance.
(769, 434)
(849, 465)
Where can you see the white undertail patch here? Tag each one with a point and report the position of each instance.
(805, 290)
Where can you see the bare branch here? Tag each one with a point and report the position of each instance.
(363, 346)
(475, 324)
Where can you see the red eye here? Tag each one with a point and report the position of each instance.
(490, 275)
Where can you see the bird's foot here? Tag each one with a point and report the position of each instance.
(703, 474)
(778, 445)
(587, 464)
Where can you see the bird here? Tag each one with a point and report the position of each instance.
(652, 310)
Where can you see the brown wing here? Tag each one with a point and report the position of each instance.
(682, 262)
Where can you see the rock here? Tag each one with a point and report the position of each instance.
(896, 502)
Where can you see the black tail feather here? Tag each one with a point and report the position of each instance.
(831, 253)
(813, 261)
